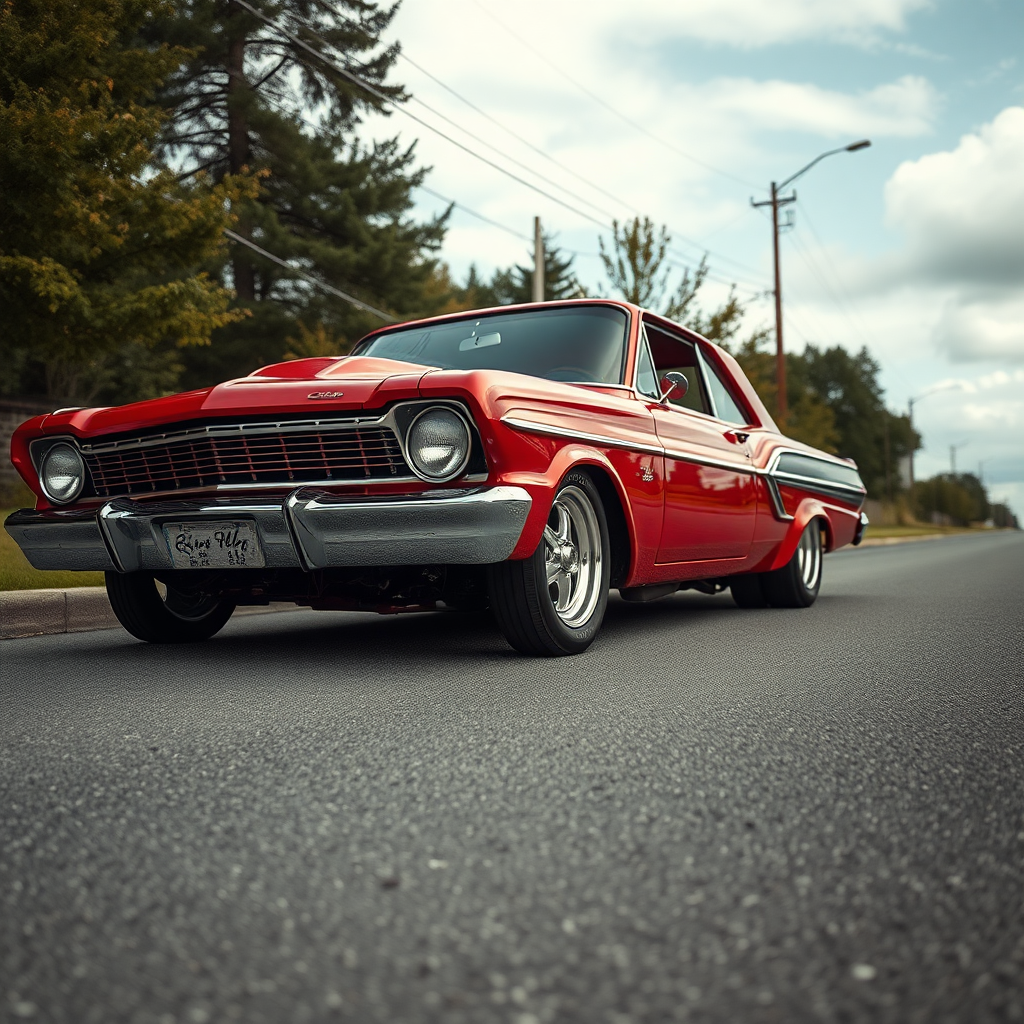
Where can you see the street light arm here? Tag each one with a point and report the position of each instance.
(851, 148)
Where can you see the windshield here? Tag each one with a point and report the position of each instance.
(580, 344)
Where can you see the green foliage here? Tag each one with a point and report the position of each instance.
(1003, 517)
(868, 433)
(514, 284)
(251, 98)
(962, 498)
(97, 255)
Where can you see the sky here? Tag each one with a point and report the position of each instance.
(685, 110)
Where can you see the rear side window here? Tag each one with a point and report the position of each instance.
(726, 406)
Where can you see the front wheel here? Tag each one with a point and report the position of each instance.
(553, 602)
(160, 614)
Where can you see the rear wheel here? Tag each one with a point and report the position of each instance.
(553, 602)
(160, 614)
(796, 584)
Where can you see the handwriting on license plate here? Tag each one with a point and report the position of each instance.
(213, 546)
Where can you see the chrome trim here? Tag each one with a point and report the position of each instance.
(219, 431)
(862, 525)
(81, 486)
(403, 442)
(58, 539)
(229, 430)
(705, 460)
(464, 527)
(820, 456)
(644, 449)
(529, 427)
(810, 483)
(308, 529)
(776, 498)
(703, 370)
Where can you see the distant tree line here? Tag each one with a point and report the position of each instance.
(962, 499)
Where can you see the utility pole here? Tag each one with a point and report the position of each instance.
(952, 456)
(778, 200)
(538, 262)
(910, 417)
(775, 203)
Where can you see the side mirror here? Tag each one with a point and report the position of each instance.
(673, 385)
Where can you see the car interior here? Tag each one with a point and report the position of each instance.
(673, 353)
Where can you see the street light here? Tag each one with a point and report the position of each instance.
(911, 402)
(953, 449)
(775, 203)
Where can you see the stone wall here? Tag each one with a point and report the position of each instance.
(14, 412)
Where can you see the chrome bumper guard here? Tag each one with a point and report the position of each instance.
(309, 529)
(862, 525)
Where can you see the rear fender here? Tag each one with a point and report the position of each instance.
(807, 510)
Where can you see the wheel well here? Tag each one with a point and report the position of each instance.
(618, 531)
(826, 529)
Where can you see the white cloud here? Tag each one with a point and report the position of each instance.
(982, 328)
(741, 23)
(905, 107)
(962, 211)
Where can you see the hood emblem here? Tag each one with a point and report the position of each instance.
(326, 394)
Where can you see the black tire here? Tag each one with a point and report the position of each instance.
(747, 590)
(174, 617)
(797, 583)
(524, 601)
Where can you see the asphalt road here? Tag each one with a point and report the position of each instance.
(713, 815)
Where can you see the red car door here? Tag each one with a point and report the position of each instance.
(710, 492)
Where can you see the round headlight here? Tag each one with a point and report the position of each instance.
(438, 444)
(62, 474)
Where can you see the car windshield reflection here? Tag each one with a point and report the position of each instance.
(578, 344)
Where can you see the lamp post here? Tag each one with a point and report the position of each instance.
(911, 402)
(776, 202)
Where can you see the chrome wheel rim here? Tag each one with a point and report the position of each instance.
(572, 556)
(809, 557)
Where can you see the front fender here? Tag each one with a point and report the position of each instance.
(542, 487)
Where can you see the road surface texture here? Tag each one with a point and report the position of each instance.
(713, 815)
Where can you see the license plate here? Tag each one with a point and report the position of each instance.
(213, 545)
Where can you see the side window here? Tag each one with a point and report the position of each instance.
(672, 353)
(646, 378)
(725, 405)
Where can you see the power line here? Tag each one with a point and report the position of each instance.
(831, 266)
(358, 303)
(618, 113)
(554, 184)
(473, 213)
(394, 106)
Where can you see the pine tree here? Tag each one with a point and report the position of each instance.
(268, 97)
(96, 258)
(509, 285)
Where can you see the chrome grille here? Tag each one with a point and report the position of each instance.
(246, 454)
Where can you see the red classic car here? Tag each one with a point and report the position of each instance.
(528, 457)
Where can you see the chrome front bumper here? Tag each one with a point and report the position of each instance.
(309, 529)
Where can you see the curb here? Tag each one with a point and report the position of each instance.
(875, 542)
(75, 610)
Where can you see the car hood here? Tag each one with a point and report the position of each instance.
(314, 386)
